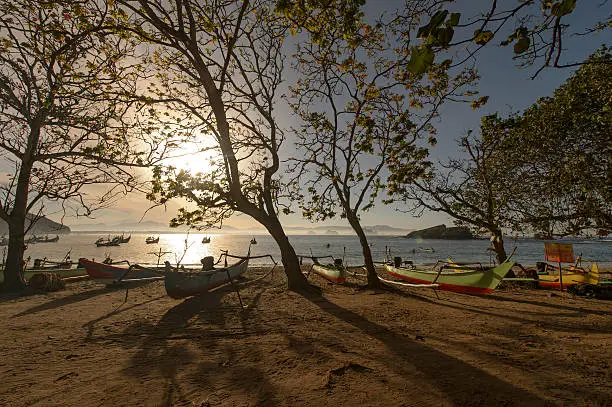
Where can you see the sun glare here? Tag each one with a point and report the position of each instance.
(193, 157)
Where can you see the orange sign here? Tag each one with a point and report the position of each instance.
(559, 253)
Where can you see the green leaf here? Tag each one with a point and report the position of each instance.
(563, 8)
(453, 20)
(521, 45)
(482, 37)
(421, 60)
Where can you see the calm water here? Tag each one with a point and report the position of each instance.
(82, 245)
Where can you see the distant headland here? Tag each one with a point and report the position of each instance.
(441, 232)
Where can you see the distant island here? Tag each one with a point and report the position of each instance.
(42, 226)
(442, 232)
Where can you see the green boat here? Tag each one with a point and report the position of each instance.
(449, 277)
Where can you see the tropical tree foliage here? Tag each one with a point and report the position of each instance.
(66, 122)
(545, 170)
(536, 29)
(362, 113)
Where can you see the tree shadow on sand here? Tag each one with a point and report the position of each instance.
(62, 301)
(461, 382)
(188, 349)
(465, 307)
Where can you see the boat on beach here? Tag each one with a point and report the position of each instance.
(110, 273)
(475, 280)
(187, 283)
(63, 269)
(548, 276)
(336, 272)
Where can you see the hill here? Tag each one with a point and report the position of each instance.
(42, 226)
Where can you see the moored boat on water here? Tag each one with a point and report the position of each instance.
(152, 240)
(206, 239)
(188, 283)
(477, 280)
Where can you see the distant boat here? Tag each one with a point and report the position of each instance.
(253, 241)
(115, 241)
(124, 239)
(206, 239)
(152, 239)
(47, 239)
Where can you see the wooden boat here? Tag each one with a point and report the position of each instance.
(123, 239)
(68, 271)
(181, 284)
(575, 275)
(206, 239)
(104, 243)
(151, 240)
(336, 273)
(465, 280)
(110, 273)
(253, 241)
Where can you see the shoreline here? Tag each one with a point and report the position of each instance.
(514, 347)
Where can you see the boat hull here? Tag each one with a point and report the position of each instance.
(182, 284)
(333, 274)
(467, 282)
(62, 273)
(571, 278)
(108, 273)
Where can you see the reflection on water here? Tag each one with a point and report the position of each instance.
(82, 245)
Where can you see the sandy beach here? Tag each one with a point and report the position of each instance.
(85, 346)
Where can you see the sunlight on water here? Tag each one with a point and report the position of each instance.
(339, 246)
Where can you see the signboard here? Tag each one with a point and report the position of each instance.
(559, 253)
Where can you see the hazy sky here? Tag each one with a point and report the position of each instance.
(509, 88)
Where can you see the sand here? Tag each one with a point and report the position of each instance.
(517, 347)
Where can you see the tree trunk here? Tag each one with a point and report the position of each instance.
(373, 281)
(498, 245)
(13, 268)
(296, 281)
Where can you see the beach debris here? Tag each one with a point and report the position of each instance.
(47, 282)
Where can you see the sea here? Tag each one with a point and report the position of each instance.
(189, 249)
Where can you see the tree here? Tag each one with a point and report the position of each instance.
(221, 64)
(362, 114)
(63, 127)
(545, 170)
(539, 27)
(562, 142)
(478, 190)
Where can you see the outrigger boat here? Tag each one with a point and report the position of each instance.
(64, 269)
(188, 283)
(336, 272)
(112, 273)
(574, 275)
(448, 277)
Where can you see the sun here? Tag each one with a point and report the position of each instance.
(193, 156)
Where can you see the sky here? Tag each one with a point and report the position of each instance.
(510, 90)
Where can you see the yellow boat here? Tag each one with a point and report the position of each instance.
(575, 275)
